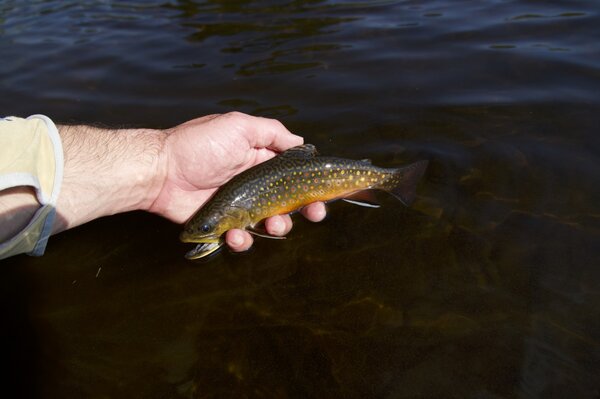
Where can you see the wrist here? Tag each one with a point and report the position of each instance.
(108, 172)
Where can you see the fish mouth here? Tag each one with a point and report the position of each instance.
(205, 245)
(204, 249)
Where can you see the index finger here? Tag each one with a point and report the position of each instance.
(270, 133)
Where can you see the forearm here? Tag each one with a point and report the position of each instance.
(107, 172)
(112, 171)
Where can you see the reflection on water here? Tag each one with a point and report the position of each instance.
(487, 287)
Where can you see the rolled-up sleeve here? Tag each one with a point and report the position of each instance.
(31, 155)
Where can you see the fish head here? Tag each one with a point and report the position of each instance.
(207, 228)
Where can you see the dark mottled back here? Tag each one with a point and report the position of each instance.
(298, 177)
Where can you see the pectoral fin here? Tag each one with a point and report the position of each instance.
(262, 233)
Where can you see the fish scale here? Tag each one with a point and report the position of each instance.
(286, 183)
(285, 189)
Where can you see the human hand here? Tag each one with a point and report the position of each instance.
(170, 172)
(201, 155)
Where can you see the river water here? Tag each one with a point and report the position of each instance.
(487, 287)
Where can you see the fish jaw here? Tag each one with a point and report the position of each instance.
(206, 245)
(204, 249)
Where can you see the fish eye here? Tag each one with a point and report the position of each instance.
(206, 228)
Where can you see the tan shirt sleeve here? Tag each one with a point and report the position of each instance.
(31, 155)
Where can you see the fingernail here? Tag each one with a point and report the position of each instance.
(277, 226)
(322, 212)
(236, 239)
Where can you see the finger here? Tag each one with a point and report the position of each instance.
(238, 240)
(271, 134)
(196, 121)
(263, 154)
(278, 225)
(314, 212)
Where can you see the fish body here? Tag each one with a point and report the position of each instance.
(286, 183)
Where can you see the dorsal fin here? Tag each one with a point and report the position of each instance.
(301, 151)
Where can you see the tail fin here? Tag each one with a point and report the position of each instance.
(403, 183)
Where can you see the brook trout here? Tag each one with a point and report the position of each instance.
(286, 183)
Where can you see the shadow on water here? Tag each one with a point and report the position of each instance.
(22, 344)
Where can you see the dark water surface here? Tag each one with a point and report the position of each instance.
(488, 287)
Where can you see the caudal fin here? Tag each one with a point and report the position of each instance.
(403, 183)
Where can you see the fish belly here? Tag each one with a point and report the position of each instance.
(289, 192)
